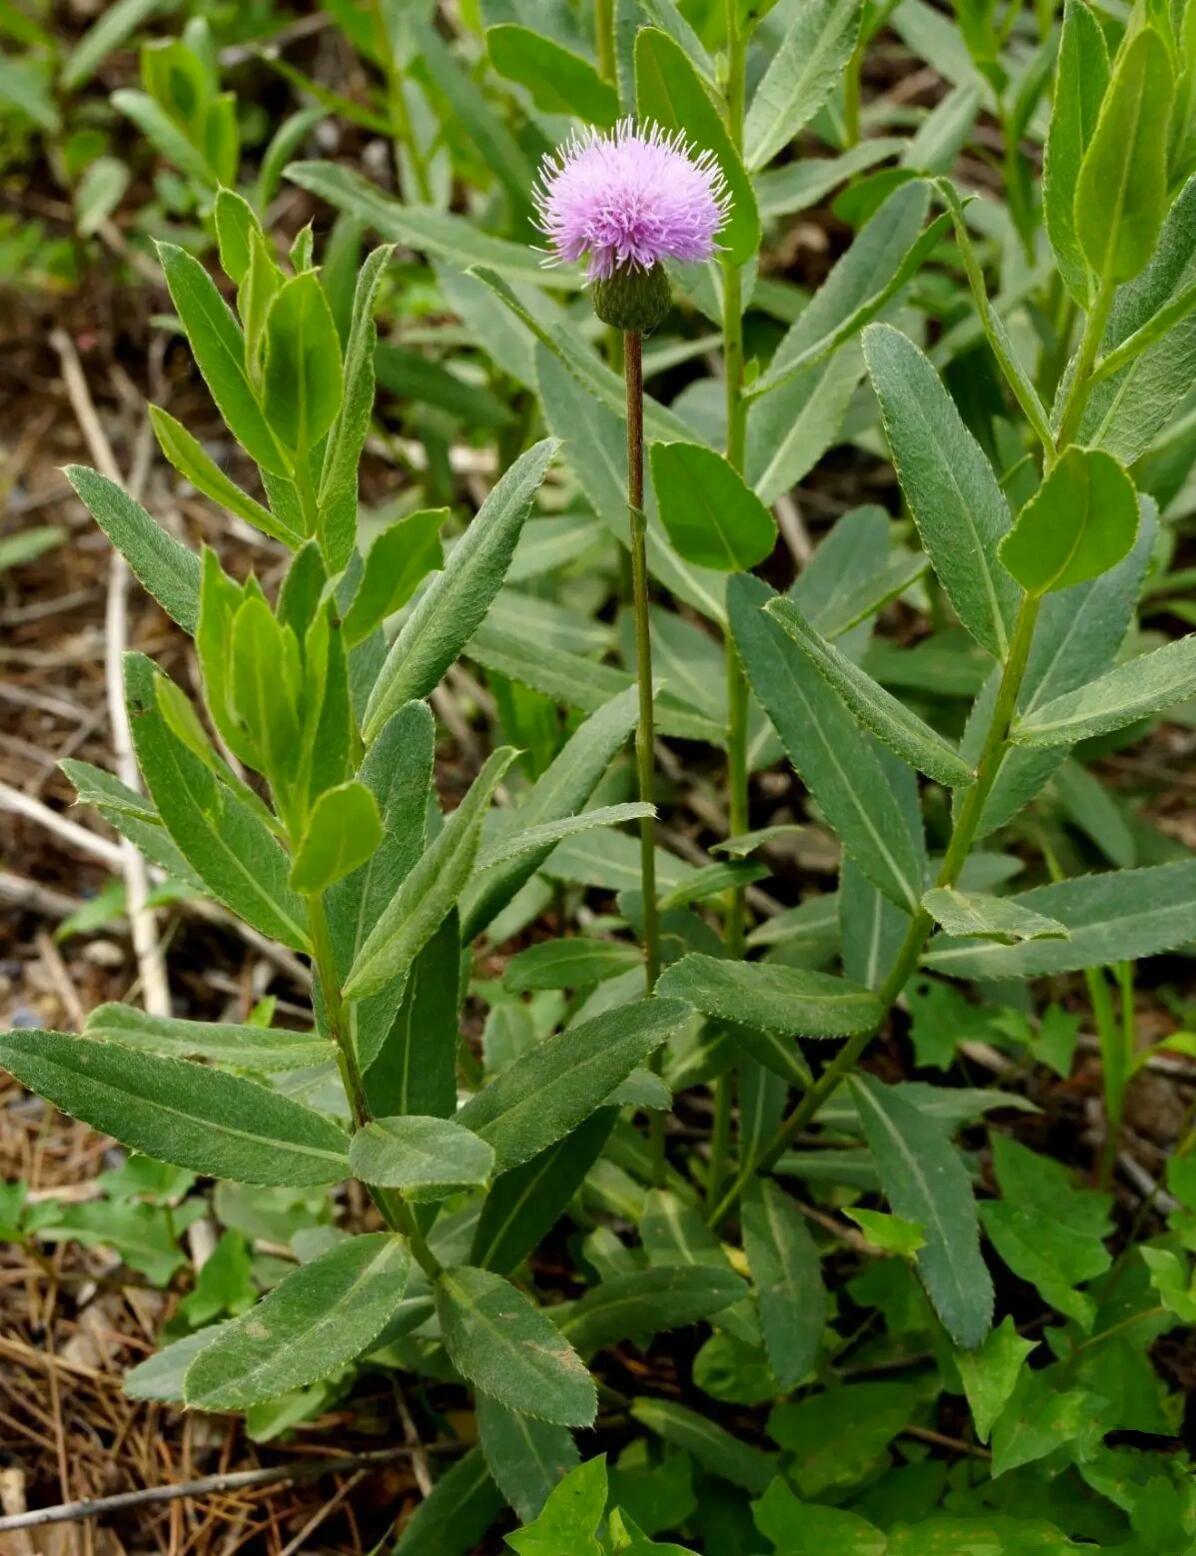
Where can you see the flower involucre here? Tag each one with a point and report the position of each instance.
(630, 199)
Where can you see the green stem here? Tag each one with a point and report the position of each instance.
(604, 38)
(963, 834)
(633, 362)
(401, 129)
(851, 97)
(1081, 383)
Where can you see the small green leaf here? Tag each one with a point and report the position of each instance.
(396, 564)
(838, 1435)
(800, 76)
(220, 1042)
(992, 918)
(195, 464)
(455, 1516)
(1132, 691)
(510, 1350)
(426, 1158)
(573, 963)
(891, 1234)
(1080, 523)
(665, 1297)
(781, 999)
(714, 1447)
(559, 80)
(787, 1278)
(570, 1518)
(235, 220)
(342, 833)
(528, 1458)
(1080, 81)
(711, 515)
(303, 382)
(990, 1374)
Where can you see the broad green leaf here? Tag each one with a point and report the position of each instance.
(925, 1181)
(427, 1158)
(342, 833)
(787, 1279)
(1134, 690)
(836, 760)
(838, 1435)
(1079, 524)
(991, 1373)
(669, 92)
(451, 1520)
(953, 495)
(871, 705)
(572, 963)
(713, 1447)
(220, 1042)
(320, 1318)
(195, 464)
(801, 76)
(337, 527)
(710, 514)
(557, 1085)
(397, 562)
(968, 913)
(808, 1529)
(160, 1376)
(664, 1297)
(166, 569)
(1041, 1418)
(527, 1457)
(570, 1518)
(225, 842)
(303, 380)
(510, 1350)
(1121, 189)
(525, 1204)
(559, 80)
(767, 994)
(1080, 81)
(219, 350)
(429, 891)
(452, 607)
(187, 1114)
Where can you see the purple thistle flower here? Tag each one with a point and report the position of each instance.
(630, 199)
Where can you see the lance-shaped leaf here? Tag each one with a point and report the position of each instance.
(572, 963)
(1119, 915)
(710, 514)
(801, 76)
(166, 569)
(227, 845)
(452, 607)
(559, 80)
(342, 833)
(1079, 524)
(429, 891)
(195, 464)
(926, 1182)
(396, 564)
(967, 913)
(456, 1514)
(426, 1158)
(188, 1114)
(411, 1066)
(559, 1083)
(220, 1042)
(318, 1319)
(1132, 691)
(712, 1445)
(543, 837)
(952, 492)
(510, 1350)
(1080, 81)
(666, 1297)
(527, 1457)
(836, 760)
(787, 1277)
(872, 706)
(768, 994)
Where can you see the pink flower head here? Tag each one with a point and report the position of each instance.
(630, 198)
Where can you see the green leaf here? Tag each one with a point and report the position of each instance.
(195, 464)
(98, 193)
(528, 1458)
(303, 380)
(711, 516)
(559, 80)
(342, 833)
(411, 1062)
(877, 710)
(808, 1529)
(397, 562)
(427, 1158)
(166, 569)
(547, 834)
(266, 681)
(926, 1182)
(801, 76)
(235, 221)
(787, 1280)
(992, 918)
(991, 1373)
(1080, 523)
(219, 351)
(450, 1521)
(160, 1376)
(836, 760)
(452, 607)
(220, 1042)
(187, 1114)
(1132, 691)
(510, 1350)
(767, 994)
(713, 1447)
(953, 495)
(549, 1091)
(320, 1318)
(891, 1234)
(573, 963)
(1121, 190)
(1041, 1418)
(669, 92)
(840, 1434)
(1080, 81)
(570, 1518)
(429, 891)
(646, 1303)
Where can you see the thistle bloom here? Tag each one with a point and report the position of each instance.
(630, 199)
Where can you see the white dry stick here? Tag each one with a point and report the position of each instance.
(155, 990)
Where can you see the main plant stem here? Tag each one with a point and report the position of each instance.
(963, 834)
